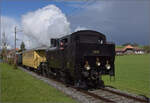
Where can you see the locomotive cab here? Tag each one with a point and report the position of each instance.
(92, 49)
(95, 57)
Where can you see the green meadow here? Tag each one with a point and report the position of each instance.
(19, 87)
(132, 74)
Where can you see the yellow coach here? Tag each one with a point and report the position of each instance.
(33, 58)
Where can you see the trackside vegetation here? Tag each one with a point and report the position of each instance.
(132, 74)
(19, 87)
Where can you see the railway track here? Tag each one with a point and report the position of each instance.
(103, 95)
(134, 98)
(117, 97)
(112, 96)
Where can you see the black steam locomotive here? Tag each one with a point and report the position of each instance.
(80, 59)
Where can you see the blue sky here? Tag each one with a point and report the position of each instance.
(16, 8)
(121, 21)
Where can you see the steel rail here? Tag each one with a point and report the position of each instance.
(95, 96)
(125, 95)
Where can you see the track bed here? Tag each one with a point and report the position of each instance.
(92, 96)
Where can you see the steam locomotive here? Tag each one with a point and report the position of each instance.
(79, 59)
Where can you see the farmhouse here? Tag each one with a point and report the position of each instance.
(10, 53)
(129, 50)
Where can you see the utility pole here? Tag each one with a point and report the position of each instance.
(15, 59)
(15, 45)
(4, 46)
(0, 41)
(4, 40)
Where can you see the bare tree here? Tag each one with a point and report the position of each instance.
(4, 47)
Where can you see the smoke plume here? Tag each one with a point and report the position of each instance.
(43, 24)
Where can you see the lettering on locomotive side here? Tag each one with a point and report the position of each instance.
(52, 57)
(96, 51)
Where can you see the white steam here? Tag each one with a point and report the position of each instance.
(43, 24)
(80, 28)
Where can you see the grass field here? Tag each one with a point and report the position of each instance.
(19, 87)
(132, 74)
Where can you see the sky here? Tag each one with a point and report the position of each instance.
(121, 21)
(16, 8)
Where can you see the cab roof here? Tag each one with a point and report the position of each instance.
(85, 32)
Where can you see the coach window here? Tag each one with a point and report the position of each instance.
(65, 41)
(57, 43)
(100, 41)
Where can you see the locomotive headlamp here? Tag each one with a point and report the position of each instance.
(107, 65)
(98, 62)
(87, 66)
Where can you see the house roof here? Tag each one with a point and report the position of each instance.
(17, 49)
(127, 47)
(13, 50)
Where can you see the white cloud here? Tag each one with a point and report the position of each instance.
(38, 27)
(80, 28)
(7, 27)
(43, 24)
